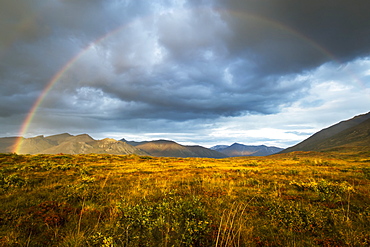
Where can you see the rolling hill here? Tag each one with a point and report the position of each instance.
(237, 149)
(352, 133)
(165, 148)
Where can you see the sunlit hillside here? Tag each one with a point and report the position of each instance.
(353, 133)
(295, 199)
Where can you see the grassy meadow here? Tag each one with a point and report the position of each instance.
(296, 199)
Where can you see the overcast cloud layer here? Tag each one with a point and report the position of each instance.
(207, 72)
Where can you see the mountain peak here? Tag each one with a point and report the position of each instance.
(236, 144)
(167, 148)
(162, 141)
(237, 149)
(84, 135)
(61, 135)
(109, 140)
(83, 138)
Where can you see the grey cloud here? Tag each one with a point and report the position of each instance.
(19, 21)
(166, 62)
(307, 30)
(169, 97)
(188, 33)
(186, 84)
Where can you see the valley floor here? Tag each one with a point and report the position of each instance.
(295, 199)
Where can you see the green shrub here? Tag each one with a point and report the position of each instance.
(325, 189)
(366, 172)
(167, 221)
(11, 181)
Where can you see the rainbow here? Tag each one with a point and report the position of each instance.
(32, 112)
(27, 121)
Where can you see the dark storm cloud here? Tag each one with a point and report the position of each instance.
(180, 68)
(169, 62)
(342, 28)
(38, 38)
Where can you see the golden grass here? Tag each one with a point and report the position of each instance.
(296, 199)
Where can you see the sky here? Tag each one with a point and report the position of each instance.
(202, 72)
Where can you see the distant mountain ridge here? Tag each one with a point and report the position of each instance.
(85, 144)
(69, 144)
(238, 149)
(351, 133)
(167, 148)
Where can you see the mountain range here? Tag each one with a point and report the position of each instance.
(173, 149)
(351, 134)
(85, 144)
(69, 144)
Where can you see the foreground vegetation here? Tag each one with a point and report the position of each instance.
(296, 199)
